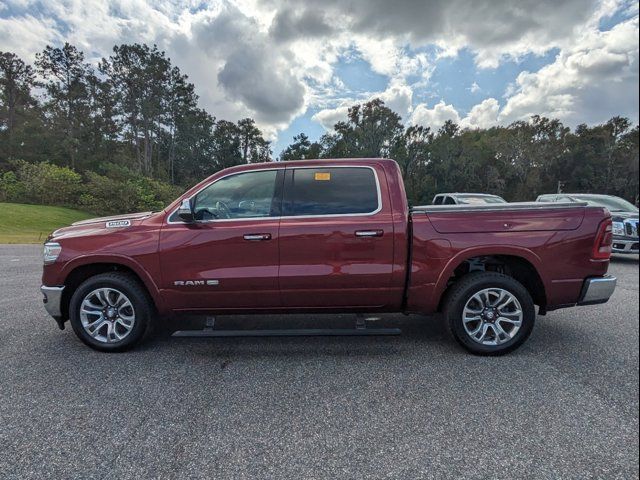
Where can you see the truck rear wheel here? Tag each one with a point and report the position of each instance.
(489, 313)
(110, 312)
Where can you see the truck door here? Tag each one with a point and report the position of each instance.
(336, 238)
(228, 258)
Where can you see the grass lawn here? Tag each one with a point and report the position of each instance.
(21, 223)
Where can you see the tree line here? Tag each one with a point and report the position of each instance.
(128, 133)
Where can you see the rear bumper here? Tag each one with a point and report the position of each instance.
(597, 290)
(52, 300)
(625, 245)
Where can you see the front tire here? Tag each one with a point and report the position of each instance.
(489, 313)
(110, 312)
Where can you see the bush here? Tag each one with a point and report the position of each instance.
(43, 183)
(11, 189)
(115, 190)
(122, 191)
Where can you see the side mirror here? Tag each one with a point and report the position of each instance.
(185, 212)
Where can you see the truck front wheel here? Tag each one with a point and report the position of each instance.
(489, 313)
(110, 312)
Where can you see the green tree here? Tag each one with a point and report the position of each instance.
(371, 130)
(301, 149)
(140, 78)
(17, 105)
(253, 147)
(67, 108)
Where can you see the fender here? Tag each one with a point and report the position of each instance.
(117, 259)
(485, 250)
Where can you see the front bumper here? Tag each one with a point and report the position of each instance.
(625, 245)
(597, 290)
(52, 300)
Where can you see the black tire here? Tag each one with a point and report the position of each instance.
(134, 292)
(473, 283)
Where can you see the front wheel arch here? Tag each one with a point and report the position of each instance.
(83, 272)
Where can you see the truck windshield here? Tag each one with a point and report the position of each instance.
(613, 204)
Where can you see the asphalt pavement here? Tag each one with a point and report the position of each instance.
(565, 405)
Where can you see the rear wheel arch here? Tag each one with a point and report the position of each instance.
(513, 264)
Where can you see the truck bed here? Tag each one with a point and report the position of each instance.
(506, 217)
(500, 207)
(555, 240)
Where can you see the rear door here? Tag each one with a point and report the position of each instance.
(336, 238)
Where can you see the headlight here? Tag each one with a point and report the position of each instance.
(618, 228)
(51, 252)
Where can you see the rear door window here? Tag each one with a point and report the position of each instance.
(331, 191)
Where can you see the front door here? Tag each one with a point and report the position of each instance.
(229, 256)
(336, 238)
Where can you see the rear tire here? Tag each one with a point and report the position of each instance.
(110, 312)
(489, 313)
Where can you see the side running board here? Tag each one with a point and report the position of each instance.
(361, 329)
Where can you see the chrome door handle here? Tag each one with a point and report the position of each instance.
(257, 237)
(369, 233)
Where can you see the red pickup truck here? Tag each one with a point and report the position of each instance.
(326, 236)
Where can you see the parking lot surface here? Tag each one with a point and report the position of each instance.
(565, 405)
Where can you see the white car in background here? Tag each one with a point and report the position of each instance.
(466, 199)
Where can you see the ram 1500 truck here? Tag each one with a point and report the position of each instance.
(326, 236)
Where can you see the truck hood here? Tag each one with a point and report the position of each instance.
(101, 225)
(114, 218)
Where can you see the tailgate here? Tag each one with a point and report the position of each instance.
(504, 219)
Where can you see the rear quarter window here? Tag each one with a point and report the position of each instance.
(331, 191)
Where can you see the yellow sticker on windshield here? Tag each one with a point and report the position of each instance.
(322, 176)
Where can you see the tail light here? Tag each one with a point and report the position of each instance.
(604, 240)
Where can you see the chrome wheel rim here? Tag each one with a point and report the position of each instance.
(492, 316)
(107, 315)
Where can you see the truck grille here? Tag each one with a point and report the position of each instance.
(631, 228)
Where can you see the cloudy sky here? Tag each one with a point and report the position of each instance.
(298, 65)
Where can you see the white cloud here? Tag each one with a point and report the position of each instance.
(27, 35)
(434, 117)
(474, 88)
(398, 97)
(492, 29)
(482, 115)
(588, 82)
(330, 116)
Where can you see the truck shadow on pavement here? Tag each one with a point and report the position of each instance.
(417, 331)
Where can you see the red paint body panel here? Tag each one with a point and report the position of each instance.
(561, 258)
(247, 272)
(517, 221)
(324, 264)
(319, 264)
